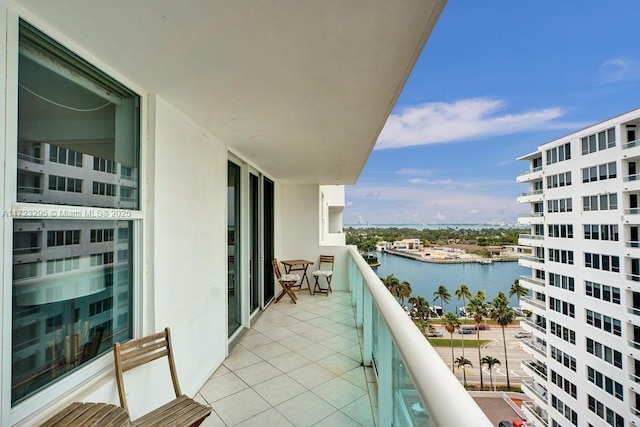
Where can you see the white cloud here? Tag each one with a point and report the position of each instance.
(440, 217)
(619, 69)
(373, 195)
(441, 122)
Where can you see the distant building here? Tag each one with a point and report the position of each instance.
(583, 195)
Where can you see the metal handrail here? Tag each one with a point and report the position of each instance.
(530, 406)
(631, 144)
(434, 382)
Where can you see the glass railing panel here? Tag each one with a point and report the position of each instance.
(411, 375)
(631, 144)
(632, 211)
(408, 408)
(628, 178)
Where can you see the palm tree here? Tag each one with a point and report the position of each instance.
(420, 307)
(390, 282)
(403, 291)
(518, 290)
(478, 309)
(480, 295)
(463, 362)
(503, 315)
(490, 361)
(463, 293)
(451, 323)
(443, 293)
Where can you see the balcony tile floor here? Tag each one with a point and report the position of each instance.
(299, 365)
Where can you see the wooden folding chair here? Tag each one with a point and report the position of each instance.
(182, 411)
(287, 281)
(325, 269)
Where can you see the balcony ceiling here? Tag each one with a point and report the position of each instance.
(300, 87)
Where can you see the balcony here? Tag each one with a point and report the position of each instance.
(531, 218)
(532, 301)
(535, 367)
(303, 363)
(535, 391)
(530, 174)
(533, 283)
(530, 196)
(531, 261)
(631, 144)
(539, 348)
(530, 240)
(535, 414)
(528, 322)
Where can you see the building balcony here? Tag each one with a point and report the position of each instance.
(539, 348)
(530, 196)
(530, 174)
(534, 368)
(530, 240)
(533, 302)
(536, 416)
(531, 218)
(531, 261)
(533, 283)
(631, 144)
(530, 326)
(303, 363)
(535, 391)
(633, 310)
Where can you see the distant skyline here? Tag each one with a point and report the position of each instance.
(496, 79)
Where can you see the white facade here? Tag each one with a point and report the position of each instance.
(583, 191)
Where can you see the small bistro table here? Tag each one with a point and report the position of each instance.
(90, 414)
(298, 265)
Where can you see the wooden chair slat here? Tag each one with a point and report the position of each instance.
(141, 341)
(60, 415)
(141, 350)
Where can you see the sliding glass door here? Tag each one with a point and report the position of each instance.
(234, 289)
(268, 243)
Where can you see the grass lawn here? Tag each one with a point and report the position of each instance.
(446, 342)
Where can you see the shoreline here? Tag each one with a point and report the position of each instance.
(468, 259)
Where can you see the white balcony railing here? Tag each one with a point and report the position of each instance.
(532, 258)
(530, 236)
(530, 193)
(533, 325)
(531, 408)
(410, 372)
(536, 367)
(536, 389)
(541, 349)
(533, 301)
(528, 171)
(631, 144)
(532, 279)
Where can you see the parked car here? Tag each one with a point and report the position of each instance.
(467, 330)
(482, 327)
(523, 334)
(433, 334)
(418, 409)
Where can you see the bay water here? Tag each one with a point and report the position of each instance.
(425, 277)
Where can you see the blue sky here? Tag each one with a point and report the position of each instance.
(496, 79)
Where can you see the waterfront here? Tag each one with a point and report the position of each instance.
(425, 277)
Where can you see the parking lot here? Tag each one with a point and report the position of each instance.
(495, 348)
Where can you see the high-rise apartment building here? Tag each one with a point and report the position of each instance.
(585, 272)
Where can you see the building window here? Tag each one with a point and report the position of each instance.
(602, 202)
(560, 281)
(603, 292)
(599, 141)
(559, 180)
(77, 114)
(606, 323)
(601, 351)
(611, 417)
(599, 172)
(559, 154)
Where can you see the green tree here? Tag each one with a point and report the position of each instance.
(503, 315)
(420, 307)
(443, 294)
(463, 293)
(463, 362)
(403, 291)
(490, 361)
(479, 310)
(451, 323)
(518, 290)
(480, 295)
